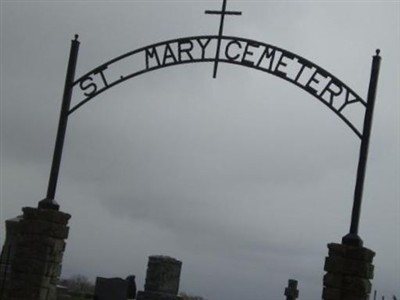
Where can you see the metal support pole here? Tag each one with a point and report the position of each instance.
(352, 239)
(49, 202)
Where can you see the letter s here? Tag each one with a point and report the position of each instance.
(87, 83)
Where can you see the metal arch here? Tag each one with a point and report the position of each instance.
(352, 237)
(304, 61)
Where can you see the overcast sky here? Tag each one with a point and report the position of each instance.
(245, 178)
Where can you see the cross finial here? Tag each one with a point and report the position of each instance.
(222, 12)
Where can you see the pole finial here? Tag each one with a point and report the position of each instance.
(378, 51)
(76, 36)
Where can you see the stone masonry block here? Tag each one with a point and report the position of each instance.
(33, 266)
(336, 264)
(358, 269)
(331, 294)
(48, 293)
(41, 253)
(55, 280)
(14, 292)
(57, 271)
(43, 228)
(43, 242)
(351, 252)
(336, 249)
(362, 254)
(52, 216)
(333, 280)
(29, 266)
(356, 286)
(32, 279)
(354, 297)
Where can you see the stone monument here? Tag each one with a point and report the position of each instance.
(162, 279)
(131, 286)
(110, 289)
(291, 292)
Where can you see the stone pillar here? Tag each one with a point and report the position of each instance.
(13, 228)
(39, 249)
(162, 279)
(291, 292)
(349, 270)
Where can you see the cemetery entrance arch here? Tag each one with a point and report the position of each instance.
(216, 49)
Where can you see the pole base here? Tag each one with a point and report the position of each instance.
(48, 203)
(352, 239)
(349, 271)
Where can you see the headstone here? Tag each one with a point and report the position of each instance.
(291, 292)
(131, 286)
(110, 289)
(162, 279)
(163, 275)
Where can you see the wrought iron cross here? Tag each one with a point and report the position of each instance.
(222, 12)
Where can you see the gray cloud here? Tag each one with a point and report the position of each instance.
(245, 178)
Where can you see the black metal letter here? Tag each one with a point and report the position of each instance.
(181, 49)
(168, 53)
(228, 46)
(85, 86)
(150, 53)
(203, 47)
(247, 52)
(269, 55)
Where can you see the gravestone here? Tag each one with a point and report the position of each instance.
(131, 286)
(110, 289)
(291, 292)
(162, 279)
